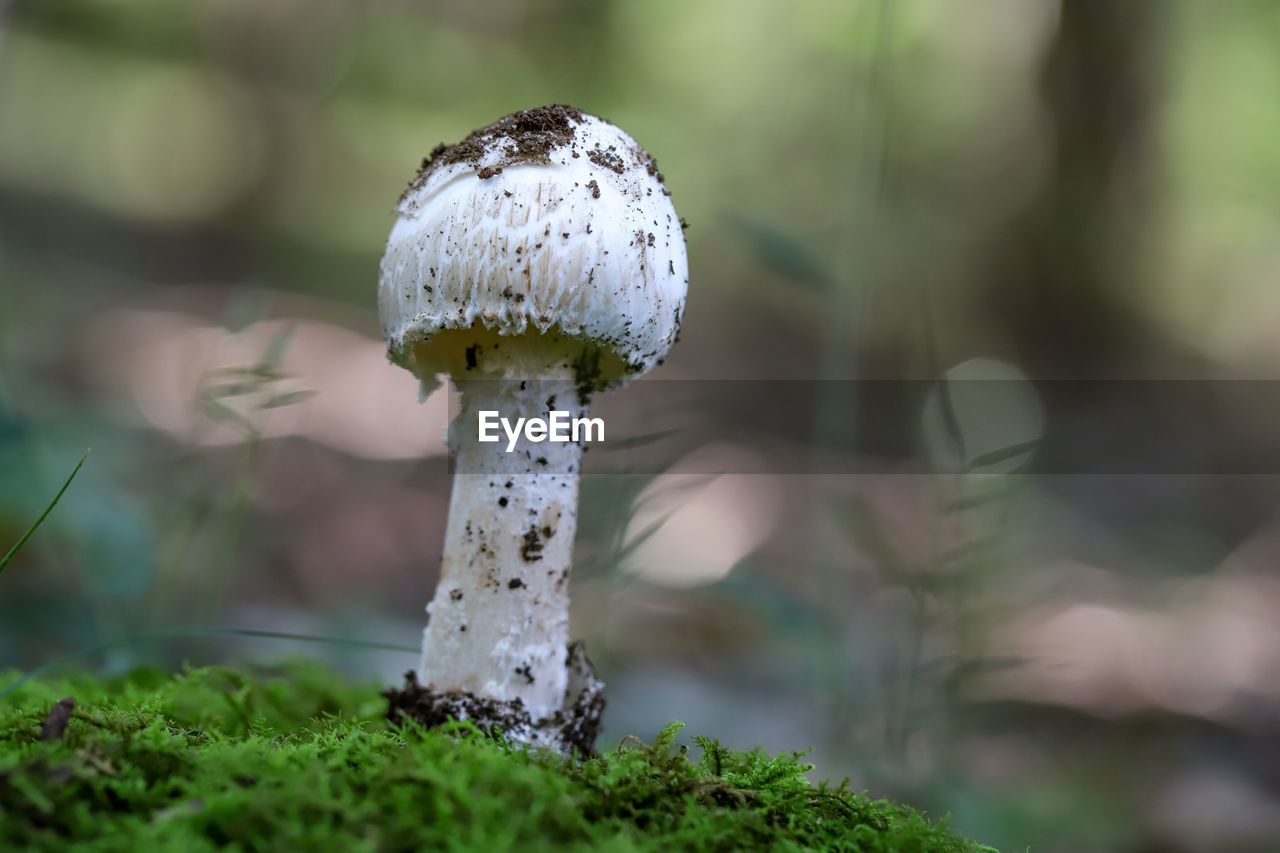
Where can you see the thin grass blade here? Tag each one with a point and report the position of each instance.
(32, 529)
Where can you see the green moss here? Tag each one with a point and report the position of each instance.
(292, 758)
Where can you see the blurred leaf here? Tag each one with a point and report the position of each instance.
(254, 372)
(273, 355)
(32, 529)
(1004, 454)
(781, 250)
(951, 423)
(982, 416)
(231, 389)
(634, 542)
(257, 381)
(286, 398)
(219, 411)
(857, 515)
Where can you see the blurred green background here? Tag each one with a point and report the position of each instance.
(194, 197)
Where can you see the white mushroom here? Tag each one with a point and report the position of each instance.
(536, 262)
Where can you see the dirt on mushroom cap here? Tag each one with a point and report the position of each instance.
(529, 136)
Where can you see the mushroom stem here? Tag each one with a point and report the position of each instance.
(499, 622)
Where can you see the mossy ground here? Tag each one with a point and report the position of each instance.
(292, 758)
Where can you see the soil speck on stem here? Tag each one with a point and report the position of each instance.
(531, 550)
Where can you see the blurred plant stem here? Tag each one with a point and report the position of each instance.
(200, 555)
(196, 561)
(836, 412)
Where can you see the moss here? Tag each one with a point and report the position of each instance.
(293, 758)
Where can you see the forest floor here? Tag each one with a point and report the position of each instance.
(293, 757)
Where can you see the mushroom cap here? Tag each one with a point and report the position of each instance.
(550, 228)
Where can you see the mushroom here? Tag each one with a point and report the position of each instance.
(537, 262)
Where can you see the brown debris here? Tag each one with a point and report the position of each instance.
(531, 550)
(530, 136)
(606, 160)
(56, 723)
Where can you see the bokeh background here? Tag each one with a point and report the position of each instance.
(194, 197)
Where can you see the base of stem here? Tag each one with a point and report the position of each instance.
(573, 727)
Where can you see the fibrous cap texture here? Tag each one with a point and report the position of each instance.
(545, 231)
